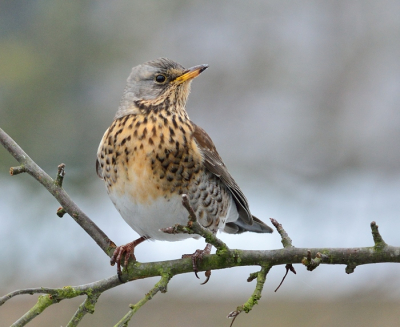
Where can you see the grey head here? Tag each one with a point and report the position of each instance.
(154, 81)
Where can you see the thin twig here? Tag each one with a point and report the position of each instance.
(188, 207)
(86, 307)
(255, 297)
(68, 292)
(287, 243)
(161, 286)
(43, 302)
(56, 295)
(60, 175)
(378, 240)
(194, 227)
(288, 267)
(17, 170)
(30, 291)
(285, 239)
(62, 197)
(200, 230)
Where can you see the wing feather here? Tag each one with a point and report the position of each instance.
(215, 165)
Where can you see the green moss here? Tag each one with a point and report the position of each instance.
(89, 292)
(68, 292)
(89, 306)
(251, 302)
(222, 251)
(380, 246)
(43, 302)
(234, 254)
(165, 272)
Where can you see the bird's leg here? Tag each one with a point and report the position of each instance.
(127, 249)
(198, 256)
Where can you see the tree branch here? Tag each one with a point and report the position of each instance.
(256, 296)
(194, 227)
(161, 286)
(43, 302)
(225, 257)
(232, 258)
(54, 187)
(333, 256)
(86, 307)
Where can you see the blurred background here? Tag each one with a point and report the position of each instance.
(302, 100)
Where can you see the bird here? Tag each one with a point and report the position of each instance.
(153, 153)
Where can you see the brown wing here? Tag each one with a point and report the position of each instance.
(215, 165)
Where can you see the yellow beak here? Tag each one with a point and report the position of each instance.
(191, 73)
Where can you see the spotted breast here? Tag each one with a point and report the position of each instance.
(148, 161)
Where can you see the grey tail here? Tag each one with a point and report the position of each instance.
(239, 226)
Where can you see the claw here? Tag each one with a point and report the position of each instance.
(197, 256)
(208, 274)
(127, 249)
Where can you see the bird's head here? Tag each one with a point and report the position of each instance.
(156, 85)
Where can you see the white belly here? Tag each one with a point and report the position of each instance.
(148, 219)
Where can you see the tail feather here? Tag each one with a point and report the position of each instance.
(239, 226)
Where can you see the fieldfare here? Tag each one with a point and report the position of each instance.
(153, 153)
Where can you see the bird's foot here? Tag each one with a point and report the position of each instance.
(197, 256)
(127, 250)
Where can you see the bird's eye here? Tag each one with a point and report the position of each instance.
(160, 78)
